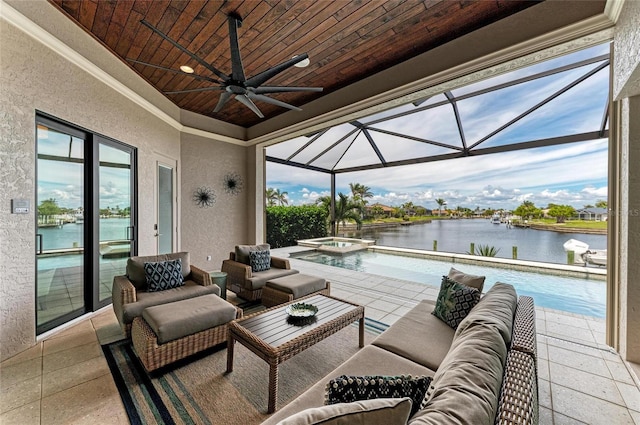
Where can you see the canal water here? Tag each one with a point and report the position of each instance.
(457, 235)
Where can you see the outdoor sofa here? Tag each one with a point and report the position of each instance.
(247, 279)
(131, 295)
(484, 371)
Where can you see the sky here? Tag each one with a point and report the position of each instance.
(572, 174)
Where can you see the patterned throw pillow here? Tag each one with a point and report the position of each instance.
(347, 389)
(455, 301)
(260, 260)
(163, 275)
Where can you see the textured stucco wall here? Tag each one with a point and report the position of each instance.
(32, 77)
(630, 229)
(626, 60)
(215, 230)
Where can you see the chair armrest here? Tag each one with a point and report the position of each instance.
(200, 276)
(280, 263)
(123, 291)
(236, 270)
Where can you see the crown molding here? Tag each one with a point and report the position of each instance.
(613, 9)
(15, 18)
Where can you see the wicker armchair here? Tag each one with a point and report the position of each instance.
(130, 296)
(246, 283)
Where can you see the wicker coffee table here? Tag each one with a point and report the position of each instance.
(274, 338)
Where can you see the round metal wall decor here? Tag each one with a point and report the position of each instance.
(204, 197)
(233, 183)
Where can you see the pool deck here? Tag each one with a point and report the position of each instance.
(581, 379)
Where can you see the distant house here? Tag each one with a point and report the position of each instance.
(387, 210)
(592, 214)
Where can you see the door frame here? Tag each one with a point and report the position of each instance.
(172, 163)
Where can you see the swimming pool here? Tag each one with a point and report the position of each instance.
(566, 293)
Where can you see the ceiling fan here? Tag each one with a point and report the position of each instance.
(236, 84)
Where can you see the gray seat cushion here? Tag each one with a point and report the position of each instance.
(186, 317)
(298, 284)
(259, 279)
(467, 279)
(242, 251)
(419, 336)
(190, 289)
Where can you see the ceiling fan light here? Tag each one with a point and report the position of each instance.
(186, 69)
(303, 63)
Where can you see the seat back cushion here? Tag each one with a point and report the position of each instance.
(387, 411)
(135, 266)
(466, 387)
(496, 308)
(242, 251)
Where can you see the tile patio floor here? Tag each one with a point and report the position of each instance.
(64, 379)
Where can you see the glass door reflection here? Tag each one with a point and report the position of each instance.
(60, 232)
(116, 228)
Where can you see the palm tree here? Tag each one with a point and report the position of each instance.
(360, 192)
(441, 202)
(274, 196)
(347, 209)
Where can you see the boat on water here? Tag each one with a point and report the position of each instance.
(495, 219)
(584, 255)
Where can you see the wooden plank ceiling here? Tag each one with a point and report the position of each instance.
(346, 40)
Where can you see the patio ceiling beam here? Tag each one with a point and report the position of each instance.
(340, 140)
(374, 146)
(313, 139)
(454, 105)
(605, 117)
(417, 139)
(582, 137)
(497, 87)
(296, 164)
(346, 150)
(542, 103)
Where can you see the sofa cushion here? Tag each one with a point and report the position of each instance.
(430, 337)
(163, 275)
(368, 359)
(496, 308)
(466, 387)
(350, 388)
(260, 260)
(455, 301)
(242, 251)
(388, 411)
(135, 266)
(147, 299)
(259, 279)
(186, 317)
(298, 284)
(467, 279)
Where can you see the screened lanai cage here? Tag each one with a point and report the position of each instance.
(535, 109)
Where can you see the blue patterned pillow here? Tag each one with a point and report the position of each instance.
(163, 275)
(347, 389)
(455, 301)
(260, 260)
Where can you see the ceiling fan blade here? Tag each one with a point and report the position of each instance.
(274, 89)
(244, 99)
(237, 70)
(262, 77)
(194, 90)
(272, 101)
(197, 77)
(224, 98)
(191, 55)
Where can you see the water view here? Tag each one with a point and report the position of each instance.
(457, 235)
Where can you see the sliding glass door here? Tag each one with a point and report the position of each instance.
(85, 220)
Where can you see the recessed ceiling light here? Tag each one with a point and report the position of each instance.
(302, 63)
(187, 69)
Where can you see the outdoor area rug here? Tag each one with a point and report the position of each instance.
(198, 391)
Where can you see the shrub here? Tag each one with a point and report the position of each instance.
(286, 225)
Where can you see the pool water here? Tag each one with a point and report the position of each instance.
(565, 293)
